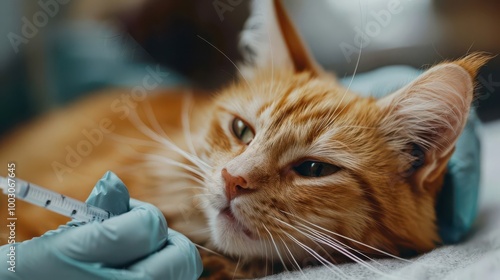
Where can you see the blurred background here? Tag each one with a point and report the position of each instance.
(53, 52)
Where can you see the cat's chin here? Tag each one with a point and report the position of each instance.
(232, 236)
(227, 217)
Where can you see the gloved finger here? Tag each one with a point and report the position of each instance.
(136, 203)
(117, 241)
(178, 260)
(110, 194)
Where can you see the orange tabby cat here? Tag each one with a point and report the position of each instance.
(281, 167)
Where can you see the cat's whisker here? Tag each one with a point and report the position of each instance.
(271, 252)
(342, 248)
(200, 204)
(130, 140)
(471, 45)
(297, 266)
(275, 246)
(200, 198)
(320, 247)
(195, 188)
(263, 242)
(152, 119)
(332, 243)
(351, 239)
(352, 79)
(208, 250)
(315, 255)
(190, 177)
(185, 125)
(335, 243)
(205, 194)
(134, 118)
(236, 268)
(169, 161)
(186, 128)
(333, 268)
(333, 261)
(168, 174)
(234, 64)
(157, 195)
(181, 174)
(178, 164)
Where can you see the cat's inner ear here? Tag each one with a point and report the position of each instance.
(432, 111)
(270, 40)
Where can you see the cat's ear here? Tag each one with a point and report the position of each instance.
(432, 111)
(270, 40)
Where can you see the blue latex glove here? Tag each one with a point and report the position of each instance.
(133, 245)
(456, 207)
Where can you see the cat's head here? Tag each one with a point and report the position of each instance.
(300, 163)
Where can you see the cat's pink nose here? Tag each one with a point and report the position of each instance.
(235, 185)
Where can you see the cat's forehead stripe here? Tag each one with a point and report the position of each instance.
(264, 107)
(223, 108)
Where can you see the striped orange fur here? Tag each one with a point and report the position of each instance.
(371, 205)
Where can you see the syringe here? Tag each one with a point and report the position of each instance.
(52, 200)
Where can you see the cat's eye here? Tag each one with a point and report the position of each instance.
(242, 131)
(315, 169)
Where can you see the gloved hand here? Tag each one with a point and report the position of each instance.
(456, 207)
(133, 245)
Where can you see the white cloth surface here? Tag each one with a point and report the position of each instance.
(478, 257)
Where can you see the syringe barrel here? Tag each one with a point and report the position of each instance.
(58, 203)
